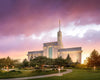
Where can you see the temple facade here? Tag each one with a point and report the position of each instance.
(55, 49)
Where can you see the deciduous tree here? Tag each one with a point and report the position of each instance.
(94, 59)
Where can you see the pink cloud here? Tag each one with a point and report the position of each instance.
(28, 17)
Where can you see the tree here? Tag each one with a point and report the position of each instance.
(7, 62)
(60, 61)
(25, 63)
(31, 58)
(50, 61)
(94, 59)
(39, 61)
(33, 62)
(68, 61)
(2, 62)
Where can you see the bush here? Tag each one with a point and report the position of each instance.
(81, 66)
(54, 69)
(38, 70)
(69, 67)
(13, 71)
(0, 72)
(47, 70)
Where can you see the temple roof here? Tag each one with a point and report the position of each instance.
(50, 44)
(70, 49)
(34, 52)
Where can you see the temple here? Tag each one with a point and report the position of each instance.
(55, 49)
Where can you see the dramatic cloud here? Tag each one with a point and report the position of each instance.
(26, 24)
(34, 16)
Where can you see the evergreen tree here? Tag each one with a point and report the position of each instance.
(25, 63)
(31, 58)
(68, 61)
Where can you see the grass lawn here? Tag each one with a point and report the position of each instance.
(77, 74)
(26, 73)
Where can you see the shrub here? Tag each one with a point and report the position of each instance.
(14, 71)
(38, 70)
(81, 66)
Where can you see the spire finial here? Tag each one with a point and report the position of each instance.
(59, 25)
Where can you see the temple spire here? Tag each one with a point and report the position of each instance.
(59, 25)
(59, 36)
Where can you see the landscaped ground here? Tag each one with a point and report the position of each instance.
(77, 74)
(24, 73)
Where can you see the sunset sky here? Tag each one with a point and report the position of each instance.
(26, 24)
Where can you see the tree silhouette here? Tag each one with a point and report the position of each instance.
(25, 63)
(94, 59)
(7, 62)
(68, 61)
(40, 61)
(59, 61)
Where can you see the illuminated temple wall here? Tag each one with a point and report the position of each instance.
(50, 52)
(75, 55)
(53, 52)
(34, 54)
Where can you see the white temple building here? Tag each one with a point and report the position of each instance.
(55, 49)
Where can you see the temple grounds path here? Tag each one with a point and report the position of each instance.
(43, 76)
